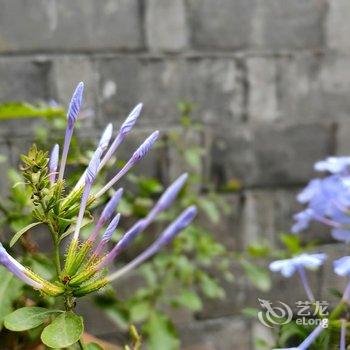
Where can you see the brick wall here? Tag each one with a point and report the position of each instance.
(270, 80)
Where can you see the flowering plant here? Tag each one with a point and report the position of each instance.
(65, 213)
(327, 201)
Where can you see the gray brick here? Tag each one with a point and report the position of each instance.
(337, 25)
(342, 138)
(222, 24)
(213, 86)
(66, 25)
(252, 157)
(166, 27)
(285, 24)
(216, 335)
(4, 163)
(262, 98)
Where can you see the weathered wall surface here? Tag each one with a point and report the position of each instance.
(270, 80)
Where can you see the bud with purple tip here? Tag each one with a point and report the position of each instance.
(166, 237)
(140, 153)
(72, 115)
(53, 164)
(124, 130)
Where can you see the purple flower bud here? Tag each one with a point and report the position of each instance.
(111, 206)
(75, 104)
(53, 164)
(16, 268)
(106, 137)
(107, 234)
(136, 157)
(176, 226)
(342, 266)
(92, 169)
(170, 232)
(145, 147)
(170, 194)
(131, 120)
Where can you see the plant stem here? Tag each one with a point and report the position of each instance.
(81, 345)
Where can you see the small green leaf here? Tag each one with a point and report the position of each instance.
(257, 275)
(27, 318)
(64, 331)
(19, 234)
(189, 299)
(161, 333)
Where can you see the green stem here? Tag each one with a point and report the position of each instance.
(56, 249)
(339, 309)
(81, 345)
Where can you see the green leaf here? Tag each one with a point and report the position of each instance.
(257, 275)
(292, 242)
(19, 234)
(210, 209)
(64, 331)
(27, 318)
(10, 290)
(139, 311)
(189, 299)
(160, 333)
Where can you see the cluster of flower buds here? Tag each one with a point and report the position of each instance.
(328, 202)
(83, 270)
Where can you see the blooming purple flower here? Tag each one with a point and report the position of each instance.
(303, 220)
(342, 266)
(334, 165)
(288, 267)
(53, 164)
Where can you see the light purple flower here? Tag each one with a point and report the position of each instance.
(165, 238)
(342, 266)
(302, 220)
(288, 267)
(312, 188)
(53, 164)
(16, 268)
(334, 165)
(342, 235)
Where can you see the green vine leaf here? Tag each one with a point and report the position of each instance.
(64, 331)
(19, 234)
(27, 318)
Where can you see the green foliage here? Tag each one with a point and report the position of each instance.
(64, 331)
(28, 318)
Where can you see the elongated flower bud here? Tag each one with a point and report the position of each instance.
(107, 235)
(169, 195)
(92, 169)
(124, 130)
(16, 268)
(28, 276)
(168, 235)
(75, 103)
(107, 213)
(72, 115)
(106, 137)
(140, 153)
(131, 120)
(53, 164)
